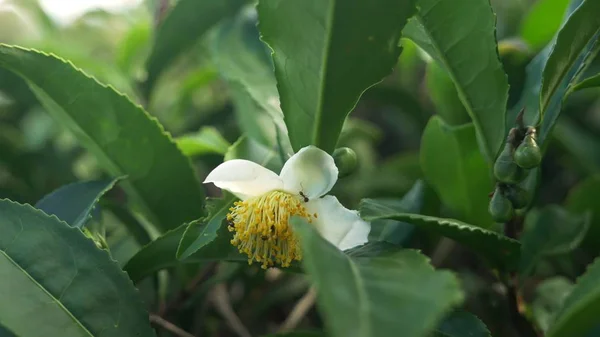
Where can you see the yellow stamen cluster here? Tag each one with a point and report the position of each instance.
(262, 229)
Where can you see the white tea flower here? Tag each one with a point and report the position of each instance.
(261, 219)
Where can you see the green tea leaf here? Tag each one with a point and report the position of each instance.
(549, 298)
(207, 140)
(576, 45)
(162, 253)
(185, 24)
(124, 139)
(581, 144)
(249, 149)
(4, 332)
(579, 313)
(444, 95)
(530, 98)
(448, 151)
(55, 280)
(461, 324)
(75, 202)
(497, 248)
(375, 296)
(550, 231)
(200, 233)
(326, 54)
(371, 249)
(244, 61)
(156, 255)
(590, 82)
(393, 231)
(201, 240)
(460, 36)
(583, 199)
(543, 20)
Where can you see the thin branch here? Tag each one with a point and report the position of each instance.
(299, 311)
(163, 323)
(220, 298)
(522, 324)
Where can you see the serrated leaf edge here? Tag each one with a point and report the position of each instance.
(154, 121)
(139, 303)
(577, 306)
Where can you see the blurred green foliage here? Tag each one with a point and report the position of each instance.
(425, 139)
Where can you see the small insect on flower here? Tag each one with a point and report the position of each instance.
(304, 197)
(260, 220)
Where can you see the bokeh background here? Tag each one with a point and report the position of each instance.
(112, 39)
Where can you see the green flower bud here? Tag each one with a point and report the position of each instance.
(345, 160)
(505, 168)
(518, 196)
(500, 207)
(528, 154)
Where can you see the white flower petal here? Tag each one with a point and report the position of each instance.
(358, 235)
(342, 227)
(311, 171)
(244, 178)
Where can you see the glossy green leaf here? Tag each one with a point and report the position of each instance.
(543, 20)
(55, 280)
(183, 26)
(583, 145)
(549, 231)
(549, 298)
(162, 253)
(156, 255)
(375, 296)
(448, 151)
(75, 202)
(590, 82)
(444, 95)
(584, 198)
(4, 332)
(576, 45)
(130, 221)
(579, 313)
(207, 140)
(199, 234)
(249, 149)
(530, 98)
(461, 37)
(16, 89)
(244, 61)
(124, 139)
(326, 54)
(461, 324)
(497, 248)
(371, 249)
(393, 231)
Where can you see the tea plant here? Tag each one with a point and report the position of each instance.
(301, 168)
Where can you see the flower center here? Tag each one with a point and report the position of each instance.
(262, 229)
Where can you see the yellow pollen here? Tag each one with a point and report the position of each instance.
(262, 229)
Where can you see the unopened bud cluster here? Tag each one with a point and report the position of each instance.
(521, 153)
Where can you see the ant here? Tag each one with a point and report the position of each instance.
(304, 196)
(230, 224)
